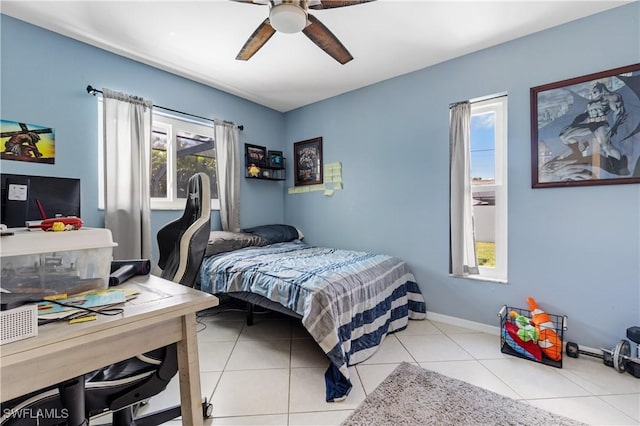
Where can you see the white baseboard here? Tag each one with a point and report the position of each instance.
(459, 322)
(495, 330)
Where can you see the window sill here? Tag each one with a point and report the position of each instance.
(481, 278)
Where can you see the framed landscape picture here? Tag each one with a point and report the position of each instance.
(307, 159)
(586, 130)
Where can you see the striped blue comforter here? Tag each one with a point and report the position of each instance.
(349, 301)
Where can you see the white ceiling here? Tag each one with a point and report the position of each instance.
(200, 39)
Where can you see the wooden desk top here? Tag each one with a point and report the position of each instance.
(62, 350)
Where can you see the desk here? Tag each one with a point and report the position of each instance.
(164, 313)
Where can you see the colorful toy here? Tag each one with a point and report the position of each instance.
(68, 223)
(526, 331)
(529, 349)
(57, 226)
(253, 170)
(549, 341)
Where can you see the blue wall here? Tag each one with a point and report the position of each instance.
(43, 81)
(576, 250)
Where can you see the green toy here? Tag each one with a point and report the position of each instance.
(526, 330)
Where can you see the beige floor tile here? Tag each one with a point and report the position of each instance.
(270, 420)
(372, 375)
(628, 404)
(213, 356)
(391, 351)
(251, 392)
(206, 422)
(260, 355)
(584, 389)
(479, 345)
(597, 378)
(320, 418)
(533, 380)
(590, 409)
(433, 347)
(308, 391)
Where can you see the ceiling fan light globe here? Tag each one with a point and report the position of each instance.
(288, 18)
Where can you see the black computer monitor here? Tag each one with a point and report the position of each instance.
(31, 198)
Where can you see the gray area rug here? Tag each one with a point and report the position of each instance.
(411, 395)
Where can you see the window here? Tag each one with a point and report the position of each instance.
(179, 149)
(489, 185)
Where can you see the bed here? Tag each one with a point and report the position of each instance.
(347, 300)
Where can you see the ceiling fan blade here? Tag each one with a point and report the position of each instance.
(331, 4)
(260, 36)
(320, 35)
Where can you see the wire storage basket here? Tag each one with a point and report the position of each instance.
(559, 324)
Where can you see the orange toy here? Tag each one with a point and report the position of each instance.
(549, 341)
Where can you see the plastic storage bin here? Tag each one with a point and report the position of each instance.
(559, 323)
(69, 262)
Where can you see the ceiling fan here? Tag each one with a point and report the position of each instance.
(292, 16)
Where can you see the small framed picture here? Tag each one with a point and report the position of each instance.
(275, 159)
(308, 162)
(255, 154)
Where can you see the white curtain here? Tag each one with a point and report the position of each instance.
(463, 251)
(227, 174)
(127, 156)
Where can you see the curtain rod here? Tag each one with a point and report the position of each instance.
(92, 91)
(480, 99)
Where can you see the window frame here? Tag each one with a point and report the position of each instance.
(170, 123)
(499, 106)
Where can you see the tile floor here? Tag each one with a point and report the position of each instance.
(272, 373)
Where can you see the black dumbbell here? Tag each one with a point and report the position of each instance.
(574, 351)
(616, 357)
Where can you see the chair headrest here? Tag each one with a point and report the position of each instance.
(197, 205)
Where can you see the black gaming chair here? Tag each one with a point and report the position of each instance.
(121, 387)
(182, 243)
(118, 388)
